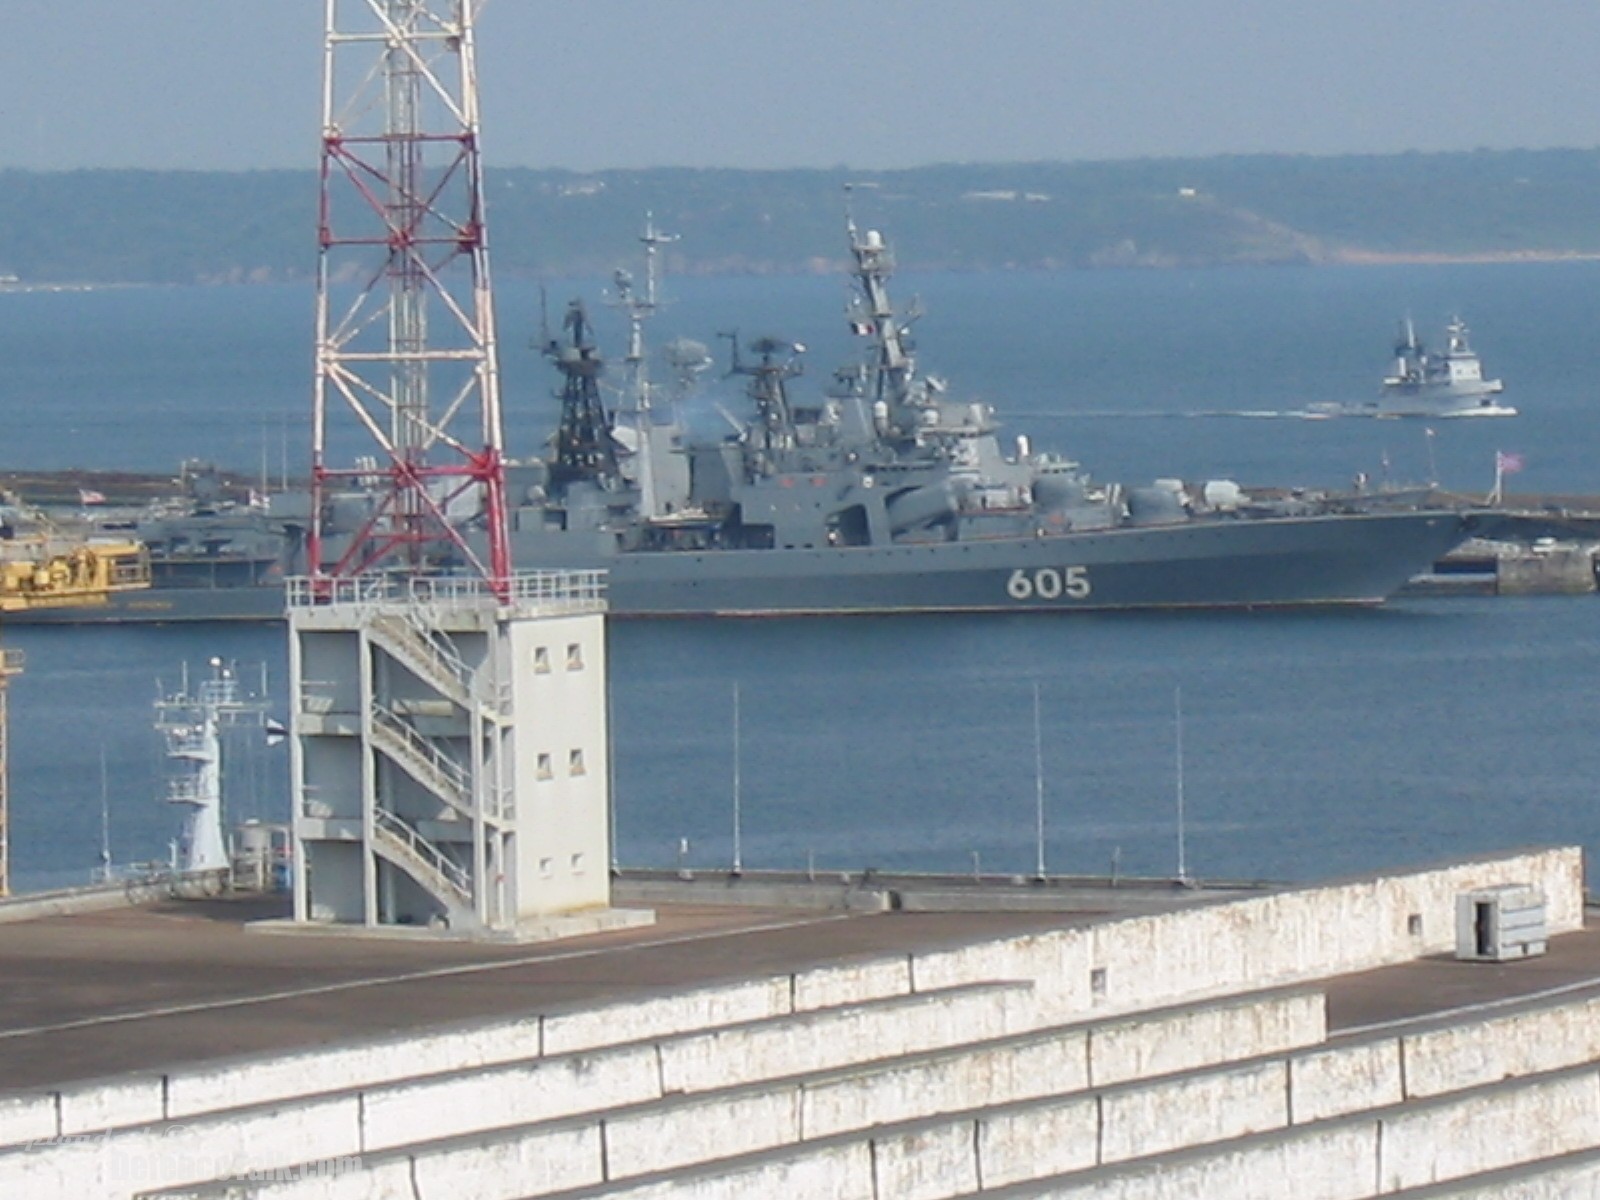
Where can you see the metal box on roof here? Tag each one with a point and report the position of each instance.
(1498, 924)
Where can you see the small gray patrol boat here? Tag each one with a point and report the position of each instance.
(1450, 384)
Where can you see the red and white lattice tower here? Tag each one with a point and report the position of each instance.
(405, 324)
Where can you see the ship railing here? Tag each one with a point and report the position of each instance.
(541, 591)
(185, 741)
(187, 789)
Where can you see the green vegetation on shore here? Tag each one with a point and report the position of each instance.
(185, 227)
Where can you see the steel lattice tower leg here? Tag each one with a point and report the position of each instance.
(405, 350)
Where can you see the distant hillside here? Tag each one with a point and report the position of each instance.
(164, 227)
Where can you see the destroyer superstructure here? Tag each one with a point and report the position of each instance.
(886, 493)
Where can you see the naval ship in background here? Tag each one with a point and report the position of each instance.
(883, 494)
(1425, 384)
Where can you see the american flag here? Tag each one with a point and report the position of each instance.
(1507, 464)
(87, 497)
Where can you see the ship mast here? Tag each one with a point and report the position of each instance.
(192, 722)
(585, 448)
(405, 344)
(637, 386)
(774, 428)
(893, 366)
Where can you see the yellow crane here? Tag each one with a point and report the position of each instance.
(41, 572)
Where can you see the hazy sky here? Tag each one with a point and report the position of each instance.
(864, 83)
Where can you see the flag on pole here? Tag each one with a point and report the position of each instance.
(87, 497)
(1504, 464)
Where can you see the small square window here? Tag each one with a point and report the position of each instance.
(547, 867)
(1097, 981)
(575, 763)
(577, 864)
(541, 660)
(1414, 924)
(574, 656)
(546, 771)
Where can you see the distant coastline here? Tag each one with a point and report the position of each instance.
(114, 227)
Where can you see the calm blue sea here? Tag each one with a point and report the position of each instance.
(1313, 744)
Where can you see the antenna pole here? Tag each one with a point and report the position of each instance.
(1177, 709)
(1038, 787)
(105, 820)
(738, 856)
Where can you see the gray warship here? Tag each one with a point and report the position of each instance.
(886, 494)
(1427, 384)
(882, 493)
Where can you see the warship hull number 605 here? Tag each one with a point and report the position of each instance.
(1047, 583)
(885, 493)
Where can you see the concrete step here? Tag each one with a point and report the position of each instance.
(1379, 1153)
(1185, 1121)
(193, 1090)
(335, 1126)
(1565, 1178)
(678, 1132)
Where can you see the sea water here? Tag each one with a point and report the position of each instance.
(1312, 744)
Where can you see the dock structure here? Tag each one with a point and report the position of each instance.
(860, 1037)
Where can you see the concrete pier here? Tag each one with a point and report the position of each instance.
(1318, 1041)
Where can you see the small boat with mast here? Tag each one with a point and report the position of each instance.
(1447, 384)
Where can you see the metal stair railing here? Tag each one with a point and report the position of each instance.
(422, 759)
(442, 878)
(409, 642)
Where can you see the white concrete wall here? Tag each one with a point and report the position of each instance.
(1497, 1047)
(1192, 1110)
(1357, 925)
(1514, 1122)
(690, 1130)
(1347, 1078)
(1329, 1164)
(851, 983)
(1563, 1179)
(397, 1114)
(827, 1038)
(1354, 1158)
(832, 1173)
(563, 846)
(659, 1016)
(1048, 1138)
(1256, 942)
(123, 1163)
(1011, 1071)
(26, 1117)
(236, 1083)
(1167, 1042)
(925, 1163)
